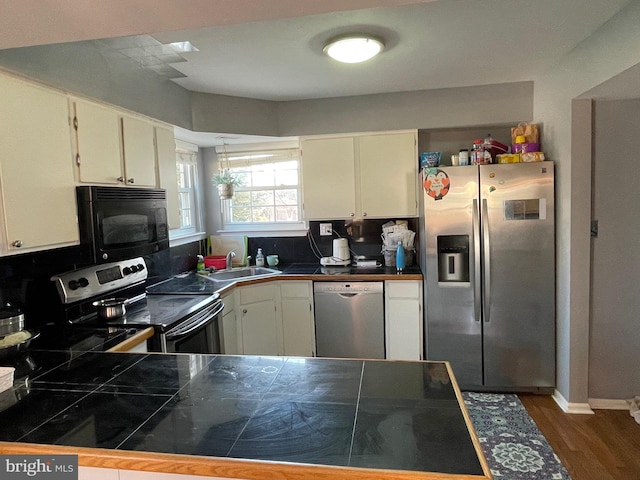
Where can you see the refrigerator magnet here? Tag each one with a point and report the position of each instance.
(436, 183)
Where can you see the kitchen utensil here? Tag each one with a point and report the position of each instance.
(11, 320)
(110, 308)
(272, 260)
(13, 349)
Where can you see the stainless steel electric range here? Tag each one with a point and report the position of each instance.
(185, 323)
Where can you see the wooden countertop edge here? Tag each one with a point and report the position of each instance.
(133, 341)
(219, 467)
(469, 422)
(321, 278)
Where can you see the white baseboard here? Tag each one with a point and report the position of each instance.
(608, 404)
(578, 408)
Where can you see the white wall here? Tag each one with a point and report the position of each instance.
(614, 48)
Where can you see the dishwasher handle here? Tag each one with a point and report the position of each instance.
(348, 295)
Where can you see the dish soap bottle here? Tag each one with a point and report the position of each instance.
(400, 261)
(259, 258)
(200, 265)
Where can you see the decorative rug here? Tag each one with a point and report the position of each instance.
(514, 447)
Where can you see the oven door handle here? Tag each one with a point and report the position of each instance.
(196, 322)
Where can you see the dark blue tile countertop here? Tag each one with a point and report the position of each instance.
(357, 413)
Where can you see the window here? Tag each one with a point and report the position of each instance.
(187, 170)
(269, 196)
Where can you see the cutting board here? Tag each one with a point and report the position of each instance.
(221, 245)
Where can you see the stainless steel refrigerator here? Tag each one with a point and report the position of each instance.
(489, 270)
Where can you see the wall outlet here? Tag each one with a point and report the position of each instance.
(325, 229)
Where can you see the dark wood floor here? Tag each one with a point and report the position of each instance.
(604, 446)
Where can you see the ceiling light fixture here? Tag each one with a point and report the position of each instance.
(353, 48)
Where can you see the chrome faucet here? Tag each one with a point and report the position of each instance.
(230, 256)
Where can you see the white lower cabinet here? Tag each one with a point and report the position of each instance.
(229, 338)
(297, 318)
(274, 318)
(403, 319)
(260, 322)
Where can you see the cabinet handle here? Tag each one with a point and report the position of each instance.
(120, 179)
(78, 159)
(364, 214)
(244, 310)
(17, 243)
(131, 180)
(353, 214)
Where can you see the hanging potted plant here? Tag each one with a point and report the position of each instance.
(226, 182)
(224, 179)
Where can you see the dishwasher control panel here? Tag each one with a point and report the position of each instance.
(348, 287)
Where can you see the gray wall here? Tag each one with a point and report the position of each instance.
(84, 69)
(87, 69)
(614, 366)
(504, 104)
(613, 49)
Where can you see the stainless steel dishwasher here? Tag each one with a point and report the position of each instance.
(349, 319)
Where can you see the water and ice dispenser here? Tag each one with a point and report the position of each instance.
(453, 258)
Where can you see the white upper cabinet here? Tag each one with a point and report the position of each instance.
(388, 166)
(98, 152)
(138, 148)
(364, 176)
(36, 173)
(328, 177)
(113, 148)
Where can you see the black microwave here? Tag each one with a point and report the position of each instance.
(118, 223)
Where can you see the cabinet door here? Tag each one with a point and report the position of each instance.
(403, 319)
(36, 169)
(388, 167)
(297, 326)
(166, 155)
(297, 318)
(139, 152)
(229, 326)
(403, 329)
(98, 151)
(328, 178)
(259, 328)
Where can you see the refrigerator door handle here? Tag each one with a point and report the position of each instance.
(487, 261)
(477, 298)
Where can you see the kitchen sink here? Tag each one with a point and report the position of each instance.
(242, 273)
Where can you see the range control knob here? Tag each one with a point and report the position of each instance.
(127, 271)
(134, 268)
(80, 283)
(140, 267)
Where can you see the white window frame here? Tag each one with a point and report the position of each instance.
(187, 155)
(227, 156)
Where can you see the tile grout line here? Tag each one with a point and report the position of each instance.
(355, 416)
(262, 395)
(171, 397)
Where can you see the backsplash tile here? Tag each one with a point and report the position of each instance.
(364, 239)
